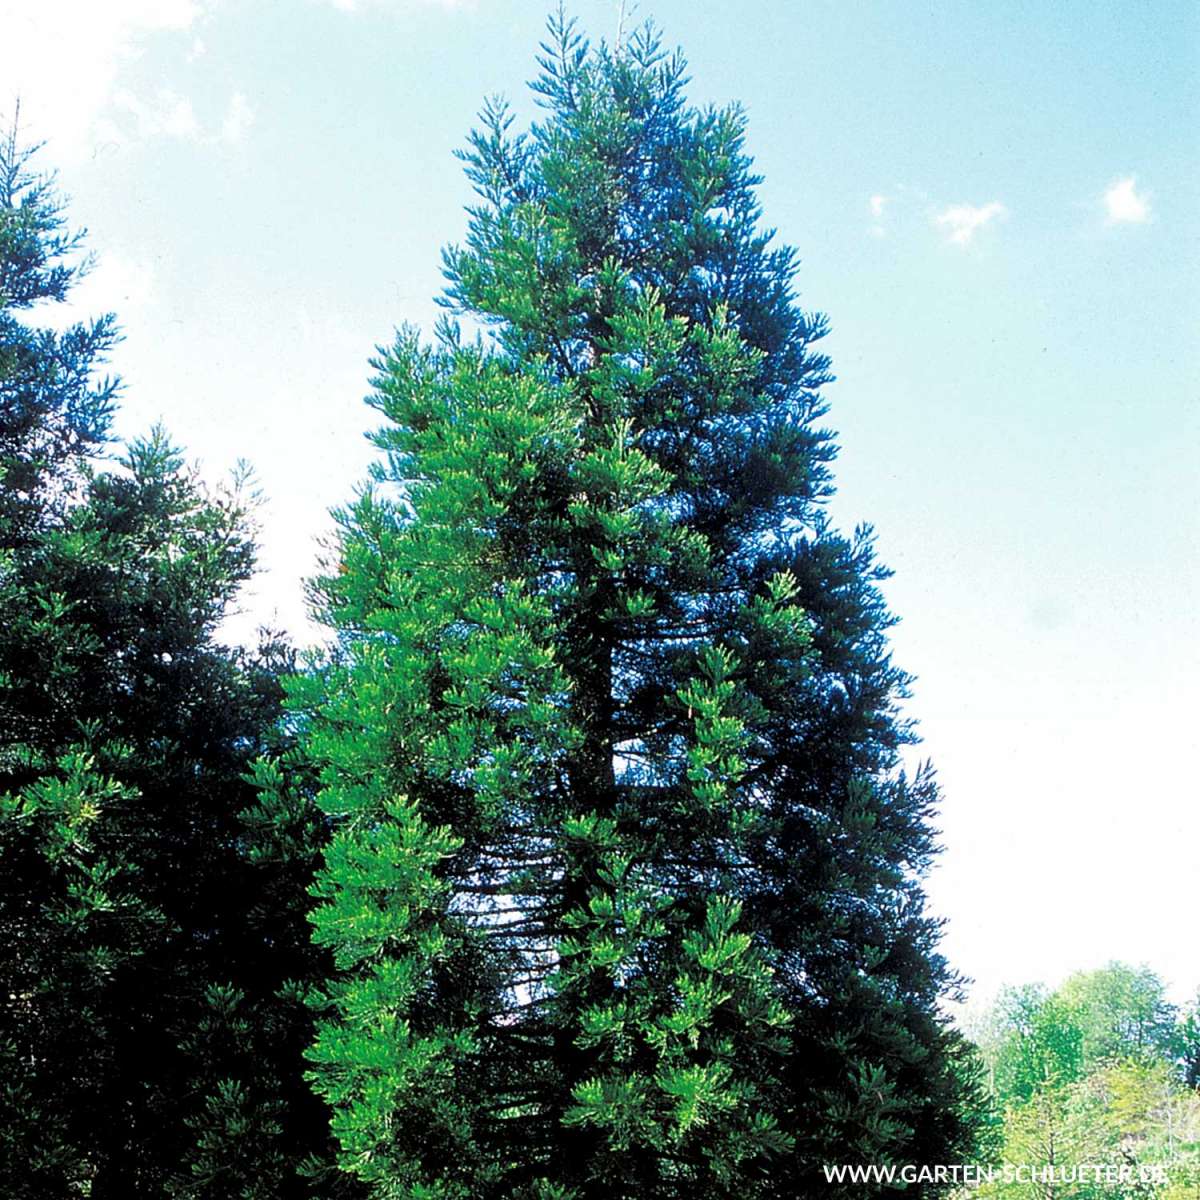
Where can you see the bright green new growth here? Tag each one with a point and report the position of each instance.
(623, 893)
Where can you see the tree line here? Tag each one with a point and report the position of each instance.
(1101, 1070)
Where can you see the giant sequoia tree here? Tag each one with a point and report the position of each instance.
(624, 896)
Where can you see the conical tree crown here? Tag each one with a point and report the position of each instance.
(54, 409)
(624, 893)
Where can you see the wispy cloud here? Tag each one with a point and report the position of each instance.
(239, 116)
(45, 43)
(92, 45)
(877, 204)
(1125, 205)
(166, 114)
(962, 221)
(360, 5)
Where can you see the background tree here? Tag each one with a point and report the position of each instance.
(1122, 1011)
(52, 413)
(144, 924)
(1038, 1042)
(1092, 1073)
(54, 408)
(624, 895)
(1189, 1042)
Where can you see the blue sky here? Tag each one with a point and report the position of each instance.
(997, 204)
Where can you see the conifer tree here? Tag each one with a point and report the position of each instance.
(149, 1043)
(54, 407)
(53, 411)
(624, 894)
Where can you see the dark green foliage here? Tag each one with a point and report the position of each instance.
(259, 1134)
(126, 732)
(1189, 1044)
(64, 909)
(53, 409)
(624, 895)
(149, 1039)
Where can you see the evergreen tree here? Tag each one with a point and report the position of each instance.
(54, 408)
(150, 1043)
(52, 413)
(624, 892)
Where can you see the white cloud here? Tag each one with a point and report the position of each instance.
(1123, 204)
(877, 204)
(86, 44)
(962, 221)
(92, 45)
(167, 114)
(239, 116)
(358, 5)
